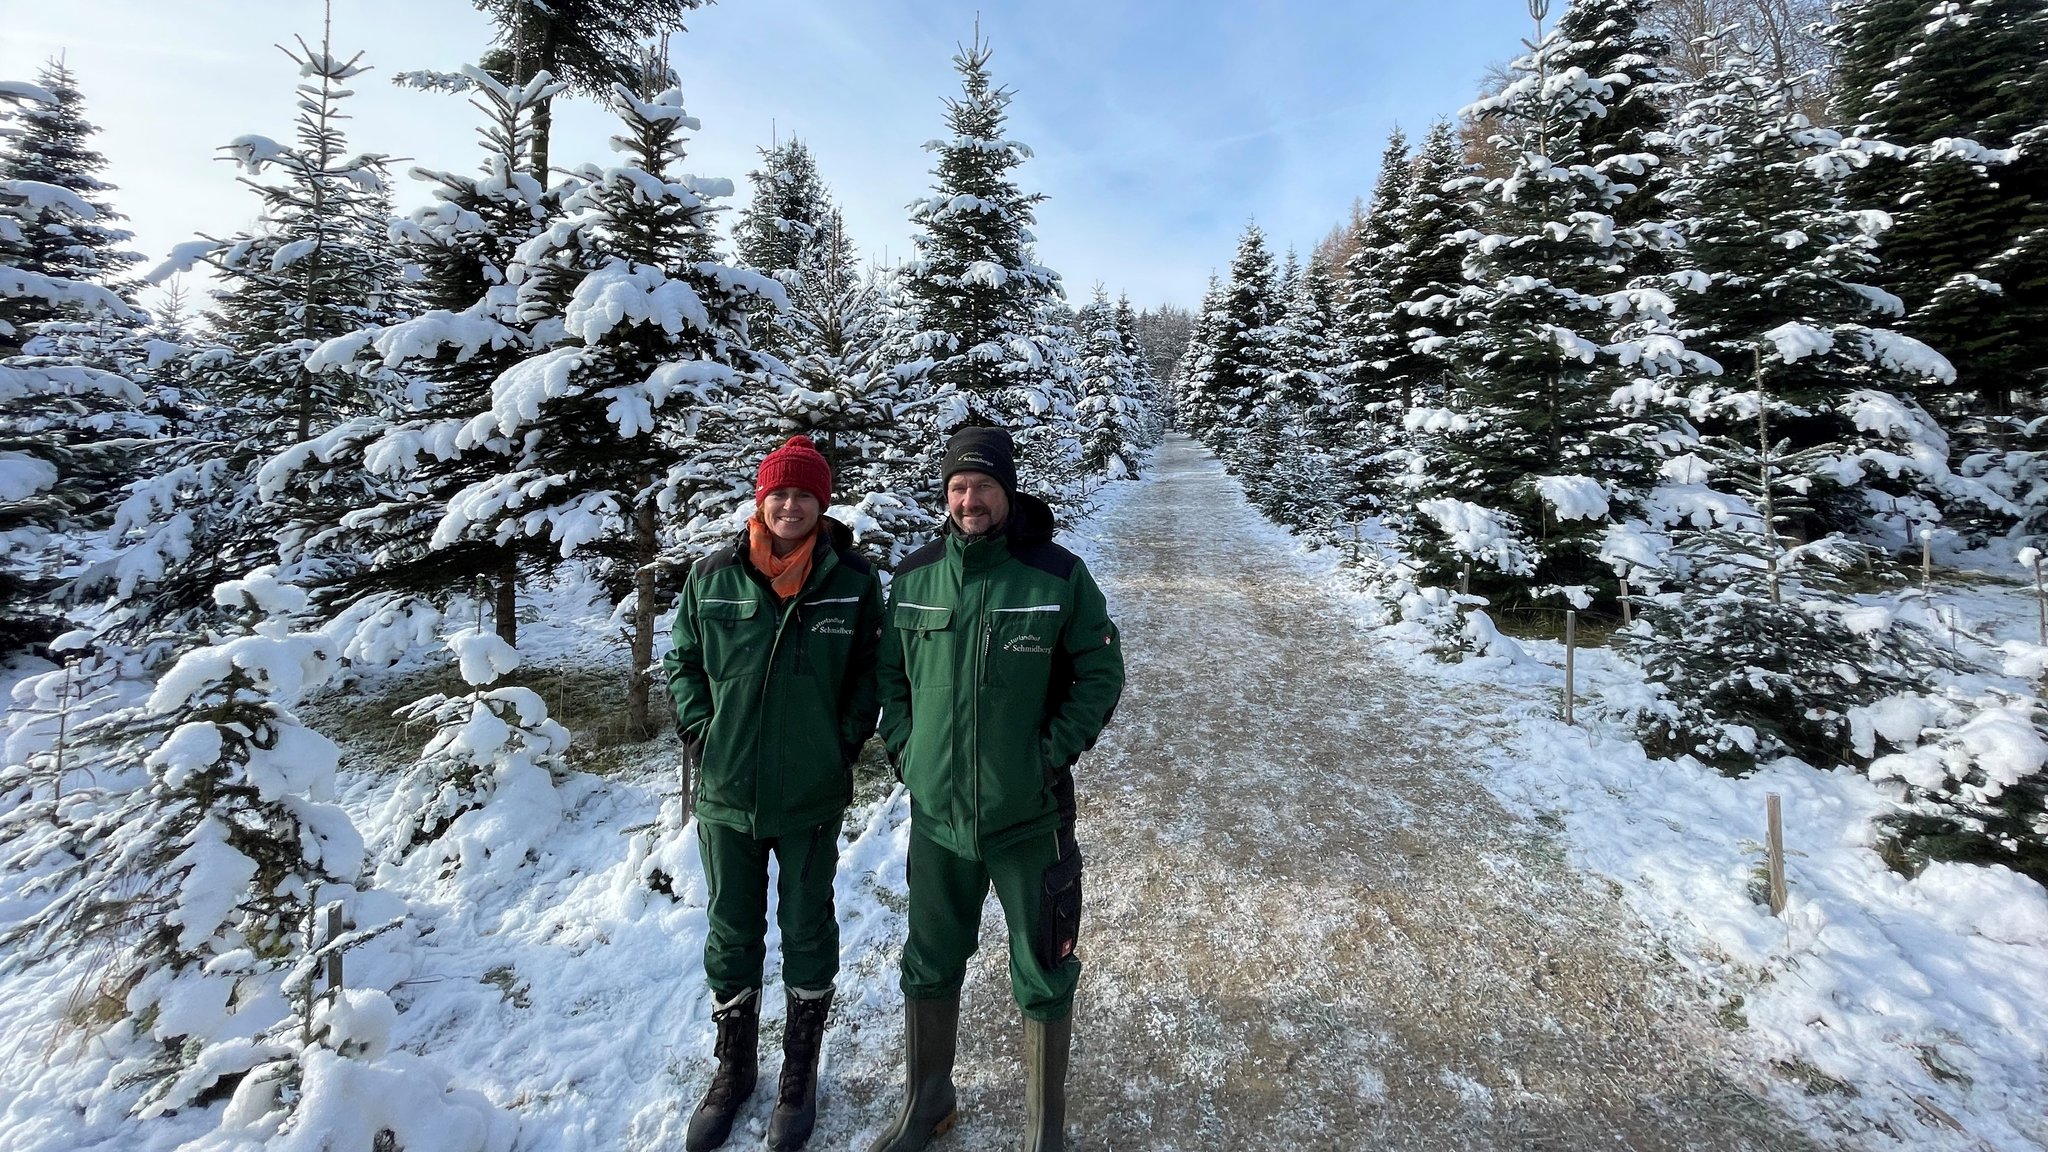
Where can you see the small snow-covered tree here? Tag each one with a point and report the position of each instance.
(1759, 648)
(201, 858)
(482, 793)
(317, 267)
(470, 332)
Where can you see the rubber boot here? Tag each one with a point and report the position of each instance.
(1046, 1044)
(738, 1049)
(930, 1030)
(796, 1096)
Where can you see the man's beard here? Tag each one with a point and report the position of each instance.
(995, 529)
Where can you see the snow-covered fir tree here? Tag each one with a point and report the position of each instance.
(50, 143)
(1107, 415)
(68, 425)
(618, 420)
(1239, 347)
(975, 286)
(1292, 469)
(1366, 330)
(1426, 262)
(318, 266)
(1144, 388)
(1760, 650)
(1949, 104)
(1772, 254)
(1563, 305)
(469, 332)
(1194, 375)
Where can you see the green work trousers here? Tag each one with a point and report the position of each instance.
(946, 894)
(736, 872)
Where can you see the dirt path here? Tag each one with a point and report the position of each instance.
(1307, 926)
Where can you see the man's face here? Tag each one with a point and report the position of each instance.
(976, 503)
(790, 513)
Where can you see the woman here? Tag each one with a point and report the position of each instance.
(773, 676)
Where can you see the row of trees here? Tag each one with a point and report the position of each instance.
(1688, 358)
(381, 421)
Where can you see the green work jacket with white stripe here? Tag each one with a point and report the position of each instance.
(775, 700)
(999, 668)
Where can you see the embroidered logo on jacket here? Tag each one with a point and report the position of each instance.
(1028, 644)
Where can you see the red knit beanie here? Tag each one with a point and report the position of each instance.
(796, 464)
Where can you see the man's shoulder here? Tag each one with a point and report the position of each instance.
(924, 557)
(1048, 557)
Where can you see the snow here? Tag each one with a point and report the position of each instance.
(620, 292)
(481, 656)
(1796, 341)
(23, 475)
(1574, 497)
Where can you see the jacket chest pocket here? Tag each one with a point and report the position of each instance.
(736, 637)
(1021, 642)
(828, 634)
(929, 644)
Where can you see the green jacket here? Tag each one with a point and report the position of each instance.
(1000, 666)
(775, 701)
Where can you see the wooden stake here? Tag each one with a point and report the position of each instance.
(1926, 559)
(1465, 579)
(1627, 617)
(2040, 601)
(1774, 842)
(1571, 649)
(334, 957)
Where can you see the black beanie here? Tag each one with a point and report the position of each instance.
(981, 450)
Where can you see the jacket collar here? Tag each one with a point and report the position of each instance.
(832, 539)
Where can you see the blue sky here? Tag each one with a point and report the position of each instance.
(1159, 128)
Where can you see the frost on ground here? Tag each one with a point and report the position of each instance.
(1311, 924)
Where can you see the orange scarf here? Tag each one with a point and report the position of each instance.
(786, 574)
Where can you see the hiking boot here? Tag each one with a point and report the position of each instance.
(1046, 1044)
(930, 1029)
(796, 1094)
(738, 1049)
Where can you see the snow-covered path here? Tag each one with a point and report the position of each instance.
(1307, 926)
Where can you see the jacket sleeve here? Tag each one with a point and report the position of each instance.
(1093, 653)
(858, 699)
(689, 689)
(892, 685)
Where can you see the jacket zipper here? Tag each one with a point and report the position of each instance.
(767, 674)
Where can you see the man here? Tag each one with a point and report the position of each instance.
(1000, 666)
(773, 676)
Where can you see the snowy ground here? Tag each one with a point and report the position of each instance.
(1340, 896)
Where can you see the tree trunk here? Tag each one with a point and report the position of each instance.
(639, 722)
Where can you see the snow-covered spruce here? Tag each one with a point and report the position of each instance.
(975, 288)
(70, 422)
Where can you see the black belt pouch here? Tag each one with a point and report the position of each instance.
(1059, 907)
